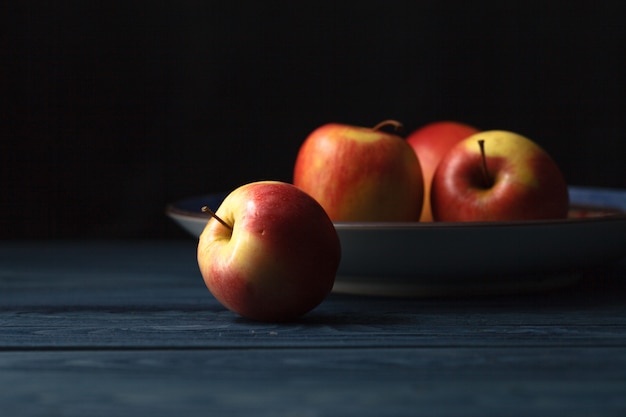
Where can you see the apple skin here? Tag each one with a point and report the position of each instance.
(527, 183)
(279, 260)
(360, 174)
(431, 142)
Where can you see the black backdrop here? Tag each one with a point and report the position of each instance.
(110, 110)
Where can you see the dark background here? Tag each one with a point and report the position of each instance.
(111, 110)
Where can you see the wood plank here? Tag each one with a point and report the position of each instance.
(311, 382)
(150, 295)
(339, 321)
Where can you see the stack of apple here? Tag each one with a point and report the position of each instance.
(270, 252)
(444, 171)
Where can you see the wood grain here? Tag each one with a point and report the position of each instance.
(338, 382)
(128, 328)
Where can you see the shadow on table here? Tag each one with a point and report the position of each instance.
(600, 288)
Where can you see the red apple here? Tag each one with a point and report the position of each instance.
(511, 178)
(431, 142)
(360, 173)
(270, 253)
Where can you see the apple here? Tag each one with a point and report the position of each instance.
(361, 173)
(270, 252)
(431, 142)
(498, 175)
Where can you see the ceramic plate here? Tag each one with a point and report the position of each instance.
(434, 259)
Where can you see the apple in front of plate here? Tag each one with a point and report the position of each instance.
(360, 173)
(498, 175)
(431, 142)
(270, 252)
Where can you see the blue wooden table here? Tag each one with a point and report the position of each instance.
(108, 328)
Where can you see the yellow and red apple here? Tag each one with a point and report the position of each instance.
(498, 175)
(270, 252)
(360, 174)
(431, 142)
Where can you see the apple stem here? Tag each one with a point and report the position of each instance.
(205, 209)
(397, 126)
(486, 176)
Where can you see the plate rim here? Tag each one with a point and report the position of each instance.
(612, 213)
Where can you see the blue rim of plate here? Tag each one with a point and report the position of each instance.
(588, 204)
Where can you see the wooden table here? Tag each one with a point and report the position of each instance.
(108, 328)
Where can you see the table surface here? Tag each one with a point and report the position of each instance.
(114, 328)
